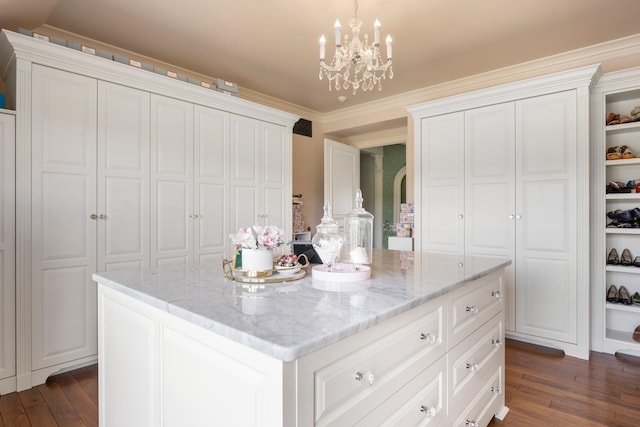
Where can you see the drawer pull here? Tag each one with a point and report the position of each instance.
(496, 390)
(472, 309)
(429, 411)
(496, 342)
(472, 423)
(473, 367)
(365, 376)
(496, 294)
(429, 338)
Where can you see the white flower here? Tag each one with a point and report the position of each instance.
(258, 237)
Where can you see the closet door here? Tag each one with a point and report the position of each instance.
(276, 170)
(442, 212)
(172, 213)
(123, 177)
(7, 253)
(63, 210)
(245, 152)
(490, 189)
(211, 186)
(546, 288)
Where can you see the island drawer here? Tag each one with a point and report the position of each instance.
(353, 378)
(421, 402)
(473, 360)
(471, 308)
(486, 403)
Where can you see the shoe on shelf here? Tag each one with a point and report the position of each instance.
(612, 294)
(636, 261)
(613, 257)
(635, 298)
(614, 153)
(613, 119)
(627, 153)
(624, 119)
(625, 258)
(636, 334)
(623, 296)
(635, 114)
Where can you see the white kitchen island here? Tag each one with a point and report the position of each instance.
(182, 346)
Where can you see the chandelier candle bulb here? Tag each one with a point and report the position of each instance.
(376, 27)
(322, 43)
(336, 27)
(389, 55)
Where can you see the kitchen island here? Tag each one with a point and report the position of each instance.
(421, 342)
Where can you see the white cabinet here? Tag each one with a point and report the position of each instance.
(614, 323)
(116, 167)
(504, 172)
(260, 159)
(7, 253)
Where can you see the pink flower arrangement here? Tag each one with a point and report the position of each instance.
(258, 237)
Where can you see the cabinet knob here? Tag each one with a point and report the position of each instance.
(93, 216)
(496, 294)
(518, 216)
(472, 309)
(496, 390)
(473, 367)
(496, 342)
(460, 264)
(429, 338)
(428, 410)
(102, 216)
(366, 376)
(472, 423)
(460, 216)
(511, 216)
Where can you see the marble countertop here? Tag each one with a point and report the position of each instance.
(290, 319)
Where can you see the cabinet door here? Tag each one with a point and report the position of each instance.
(245, 174)
(7, 250)
(123, 177)
(276, 173)
(211, 174)
(171, 181)
(63, 231)
(490, 189)
(442, 215)
(546, 288)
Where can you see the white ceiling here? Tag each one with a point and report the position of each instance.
(271, 46)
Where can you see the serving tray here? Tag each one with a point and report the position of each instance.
(239, 276)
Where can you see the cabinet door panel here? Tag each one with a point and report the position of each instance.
(63, 198)
(547, 232)
(443, 183)
(171, 180)
(123, 176)
(211, 174)
(7, 250)
(245, 182)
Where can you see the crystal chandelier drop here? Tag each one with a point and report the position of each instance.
(356, 63)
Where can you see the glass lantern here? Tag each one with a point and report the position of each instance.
(328, 241)
(358, 230)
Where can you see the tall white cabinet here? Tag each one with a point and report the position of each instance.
(120, 167)
(503, 172)
(7, 253)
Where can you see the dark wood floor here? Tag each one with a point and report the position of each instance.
(543, 388)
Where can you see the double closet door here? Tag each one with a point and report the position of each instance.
(500, 181)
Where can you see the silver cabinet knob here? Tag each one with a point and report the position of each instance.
(496, 390)
(497, 342)
(473, 367)
(472, 423)
(496, 294)
(93, 216)
(367, 377)
(518, 216)
(102, 216)
(428, 410)
(460, 216)
(471, 309)
(511, 216)
(429, 338)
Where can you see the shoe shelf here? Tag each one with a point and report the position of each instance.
(632, 269)
(624, 127)
(623, 336)
(622, 162)
(633, 308)
(613, 230)
(623, 196)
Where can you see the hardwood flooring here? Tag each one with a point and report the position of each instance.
(543, 388)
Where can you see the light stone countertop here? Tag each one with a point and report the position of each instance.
(291, 319)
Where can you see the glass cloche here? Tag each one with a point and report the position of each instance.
(328, 240)
(358, 230)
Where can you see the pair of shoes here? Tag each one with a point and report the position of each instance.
(621, 152)
(621, 295)
(619, 187)
(612, 258)
(635, 298)
(635, 114)
(616, 119)
(636, 334)
(625, 258)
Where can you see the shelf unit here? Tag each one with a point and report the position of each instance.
(613, 323)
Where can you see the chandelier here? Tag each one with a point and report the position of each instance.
(356, 63)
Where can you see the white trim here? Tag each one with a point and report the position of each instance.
(397, 193)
